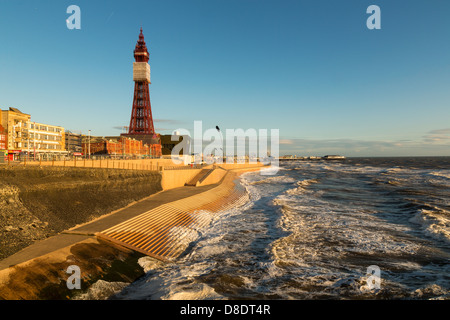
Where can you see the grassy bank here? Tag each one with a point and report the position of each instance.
(38, 202)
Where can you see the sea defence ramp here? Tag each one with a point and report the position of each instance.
(164, 232)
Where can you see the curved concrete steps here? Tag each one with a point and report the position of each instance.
(167, 231)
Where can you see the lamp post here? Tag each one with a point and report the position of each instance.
(89, 144)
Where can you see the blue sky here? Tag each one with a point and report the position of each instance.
(309, 68)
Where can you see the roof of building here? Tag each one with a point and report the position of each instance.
(16, 110)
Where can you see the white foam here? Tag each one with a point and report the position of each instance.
(101, 290)
(150, 264)
(184, 236)
(434, 290)
(202, 218)
(442, 173)
(275, 179)
(209, 246)
(301, 186)
(197, 291)
(435, 223)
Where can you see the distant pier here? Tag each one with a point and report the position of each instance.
(327, 157)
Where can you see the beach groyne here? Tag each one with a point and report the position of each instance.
(45, 276)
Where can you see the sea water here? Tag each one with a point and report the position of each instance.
(312, 231)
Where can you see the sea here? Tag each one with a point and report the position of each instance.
(359, 228)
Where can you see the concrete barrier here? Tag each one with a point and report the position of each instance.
(137, 164)
(177, 178)
(214, 177)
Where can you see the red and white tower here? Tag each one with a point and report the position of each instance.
(141, 122)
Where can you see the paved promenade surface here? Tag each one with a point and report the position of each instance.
(88, 230)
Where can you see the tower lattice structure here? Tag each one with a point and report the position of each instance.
(141, 115)
(141, 122)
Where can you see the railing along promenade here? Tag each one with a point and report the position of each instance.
(125, 164)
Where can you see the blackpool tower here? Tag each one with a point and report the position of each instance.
(141, 122)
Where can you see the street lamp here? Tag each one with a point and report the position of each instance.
(89, 145)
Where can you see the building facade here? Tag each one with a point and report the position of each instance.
(27, 138)
(116, 147)
(45, 141)
(3, 138)
(74, 143)
(15, 123)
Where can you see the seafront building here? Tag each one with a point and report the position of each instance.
(115, 147)
(3, 138)
(73, 143)
(15, 122)
(26, 138)
(45, 141)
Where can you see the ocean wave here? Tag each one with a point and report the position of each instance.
(392, 170)
(313, 226)
(301, 186)
(435, 223)
(150, 264)
(443, 174)
(101, 290)
(276, 179)
(432, 292)
(203, 218)
(196, 291)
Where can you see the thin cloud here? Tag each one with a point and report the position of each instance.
(355, 147)
(168, 121)
(286, 141)
(437, 136)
